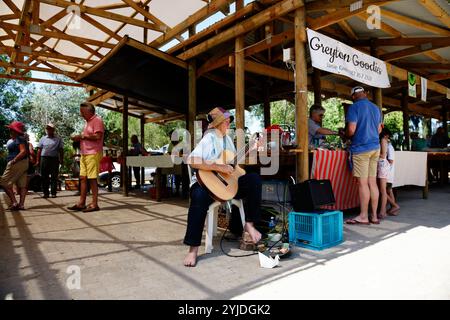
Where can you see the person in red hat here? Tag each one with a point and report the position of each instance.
(16, 169)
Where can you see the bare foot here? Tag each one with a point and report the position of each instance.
(394, 211)
(191, 258)
(382, 215)
(255, 234)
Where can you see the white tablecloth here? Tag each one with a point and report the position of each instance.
(410, 168)
(162, 161)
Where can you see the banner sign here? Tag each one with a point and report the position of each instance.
(423, 88)
(412, 85)
(334, 56)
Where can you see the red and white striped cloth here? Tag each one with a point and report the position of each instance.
(333, 166)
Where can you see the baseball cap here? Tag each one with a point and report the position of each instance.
(50, 125)
(217, 115)
(357, 89)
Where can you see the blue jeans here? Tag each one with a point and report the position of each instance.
(249, 190)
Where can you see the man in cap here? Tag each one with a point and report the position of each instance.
(363, 128)
(316, 133)
(49, 156)
(213, 143)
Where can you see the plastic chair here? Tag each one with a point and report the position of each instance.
(212, 217)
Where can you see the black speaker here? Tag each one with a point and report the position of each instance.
(310, 195)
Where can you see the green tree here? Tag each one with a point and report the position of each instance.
(155, 136)
(394, 122)
(61, 106)
(13, 94)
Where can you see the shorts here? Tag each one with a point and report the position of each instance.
(384, 169)
(365, 164)
(15, 174)
(90, 165)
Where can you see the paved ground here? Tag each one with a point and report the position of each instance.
(132, 249)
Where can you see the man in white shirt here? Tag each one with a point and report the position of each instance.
(209, 149)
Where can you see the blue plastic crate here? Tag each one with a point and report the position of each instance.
(316, 231)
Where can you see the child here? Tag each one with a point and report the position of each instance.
(383, 171)
(393, 211)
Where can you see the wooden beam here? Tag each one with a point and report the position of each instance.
(320, 5)
(301, 96)
(402, 41)
(317, 87)
(26, 50)
(215, 63)
(439, 76)
(162, 26)
(104, 96)
(192, 107)
(364, 16)
(20, 78)
(345, 27)
(13, 7)
(277, 10)
(115, 33)
(432, 44)
(11, 16)
(424, 65)
(18, 41)
(436, 10)
(203, 13)
(124, 168)
(35, 11)
(104, 14)
(339, 15)
(405, 117)
(215, 27)
(36, 29)
(414, 22)
(239, 77)
(30, 67)
(167, 117)
(101, 27)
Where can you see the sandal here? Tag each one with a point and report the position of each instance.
(354, 221)
(13, 207)
(90, 209)
(75, 207)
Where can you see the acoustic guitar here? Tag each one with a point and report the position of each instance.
(221, 186)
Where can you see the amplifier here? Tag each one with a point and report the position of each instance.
(311, 195)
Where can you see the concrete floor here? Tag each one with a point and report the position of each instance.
(132, 249)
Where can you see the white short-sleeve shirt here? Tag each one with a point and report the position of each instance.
(210, 147)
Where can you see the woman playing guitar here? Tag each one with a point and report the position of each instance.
(204, 158)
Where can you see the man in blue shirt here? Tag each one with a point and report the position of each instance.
(363, 127)
(50, 156)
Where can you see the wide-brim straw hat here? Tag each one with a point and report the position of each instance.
(218, 115)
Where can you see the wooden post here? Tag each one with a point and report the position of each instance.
(124, 168)
(405, 110)
(266, 105)
(445, 109)
(317, 87)
(147, 8)
(192, 112)
(377, 92)
(143, 146)
(301, 95)
(239, 76)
